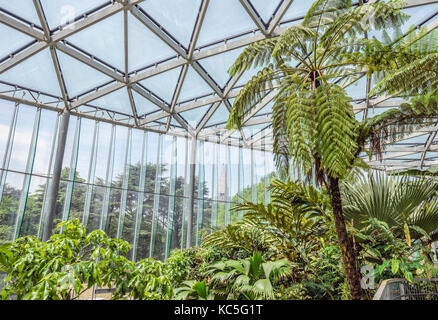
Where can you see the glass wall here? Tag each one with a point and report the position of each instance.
(130, 183)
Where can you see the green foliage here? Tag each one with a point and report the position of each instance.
(296, 216)
(393, 256)
(194, 290)
(250, 279)
(73, 261)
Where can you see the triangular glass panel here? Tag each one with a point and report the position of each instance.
(219, 116)
(24, 9)
(117, 101)
(217, 66)
(359, 116)
(143, 105)
(12, 40)
(236, 134)
(297, 9)
(36, 72)
(178, 17)
(144, 47)
(265, 9)
(164, 84)
(103, 40)
(61, 12)
(223, 19)
(79, 77)
(415, 140)
(174, 123)
(193, 86)
(193, 116)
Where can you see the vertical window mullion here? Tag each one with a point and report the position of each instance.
(108, 179)
(241, 183)
(28, 176)
(253, 178)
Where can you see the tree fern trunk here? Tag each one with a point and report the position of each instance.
(345, 242)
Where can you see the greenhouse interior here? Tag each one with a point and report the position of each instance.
(218, 149)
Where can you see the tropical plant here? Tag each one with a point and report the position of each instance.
(194, 290)
(72, 262)
(251, 278)
(313, 121)
(246, 235)
(409, 206)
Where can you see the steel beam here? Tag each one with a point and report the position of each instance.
(87, 22)
(97, 94)
(197, 29)
(24, 28)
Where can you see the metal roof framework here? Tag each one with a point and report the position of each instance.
(175, 116)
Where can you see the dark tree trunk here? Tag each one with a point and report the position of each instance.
(345, 242)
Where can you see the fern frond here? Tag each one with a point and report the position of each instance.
(297, 42)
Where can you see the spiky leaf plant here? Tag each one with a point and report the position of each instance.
(403, 203)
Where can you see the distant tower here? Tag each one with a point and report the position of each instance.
(222, 184)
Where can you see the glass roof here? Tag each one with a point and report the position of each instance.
(159, 65)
